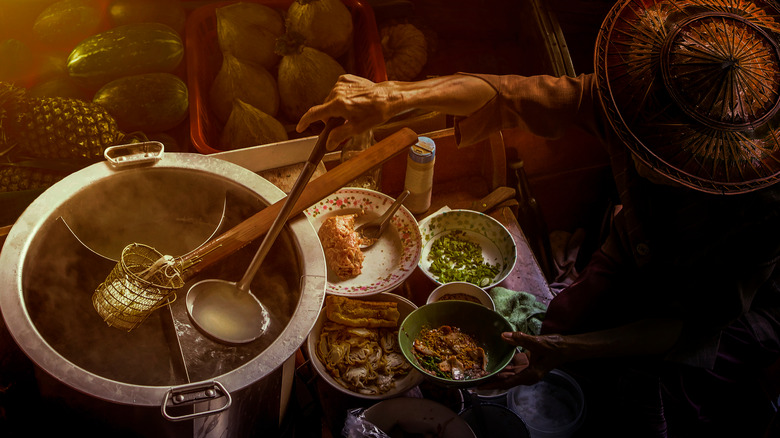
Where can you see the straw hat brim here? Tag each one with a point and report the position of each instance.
(692, 87)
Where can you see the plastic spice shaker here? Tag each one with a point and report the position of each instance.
(419, 175)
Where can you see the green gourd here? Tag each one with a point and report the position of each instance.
(126, 50)
(149, 102)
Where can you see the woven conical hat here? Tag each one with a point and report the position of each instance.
(693, 89)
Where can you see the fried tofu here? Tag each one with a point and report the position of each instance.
(361, 313)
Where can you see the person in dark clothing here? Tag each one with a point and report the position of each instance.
(675, 322)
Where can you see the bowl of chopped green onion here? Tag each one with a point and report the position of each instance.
(466, 245)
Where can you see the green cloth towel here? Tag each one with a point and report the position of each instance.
(520, 308)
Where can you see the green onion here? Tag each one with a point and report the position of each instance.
(455, 258)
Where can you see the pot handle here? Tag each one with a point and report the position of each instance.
(186, 395)
(131, 154)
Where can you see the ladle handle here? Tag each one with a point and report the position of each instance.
(255, 226)
(317, 153)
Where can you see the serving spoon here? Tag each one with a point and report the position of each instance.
(228, 311)
(371, 231)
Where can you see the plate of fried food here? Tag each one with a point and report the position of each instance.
(362, 272)
(354, 347)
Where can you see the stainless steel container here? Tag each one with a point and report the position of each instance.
(164, 378)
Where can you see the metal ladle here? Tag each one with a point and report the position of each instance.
(371, 231)
(227, 310)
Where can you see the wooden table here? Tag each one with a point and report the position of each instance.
(462, 177)
(526, 276)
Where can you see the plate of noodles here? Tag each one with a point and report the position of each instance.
(386, 264)
(353, 346)
(456, 344)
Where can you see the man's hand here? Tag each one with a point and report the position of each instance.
(540, 355)
(362, 103)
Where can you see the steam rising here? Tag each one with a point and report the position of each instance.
(173, 213)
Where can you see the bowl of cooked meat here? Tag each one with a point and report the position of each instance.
(353, 346)
(466, 245)
(456, 343)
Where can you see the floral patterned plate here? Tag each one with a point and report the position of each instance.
(390, 260)
(498, 246)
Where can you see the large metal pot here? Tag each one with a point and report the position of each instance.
(164, 377)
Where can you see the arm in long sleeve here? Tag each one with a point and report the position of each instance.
(483, 104)
(365, 104)
(543, 105)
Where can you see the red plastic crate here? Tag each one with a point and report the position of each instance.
(204, 59)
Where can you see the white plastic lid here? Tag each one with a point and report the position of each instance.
(423, 151)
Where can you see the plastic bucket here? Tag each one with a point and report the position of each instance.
(552, 408)
(497, 421)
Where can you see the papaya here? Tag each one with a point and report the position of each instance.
(148, 102)
(126, 50)
(18, 16)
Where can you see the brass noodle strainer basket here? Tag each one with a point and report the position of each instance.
(143, 281)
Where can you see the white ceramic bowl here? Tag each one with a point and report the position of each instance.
(498, 246)
(402, 385)
(461, 290)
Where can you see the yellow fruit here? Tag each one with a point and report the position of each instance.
(325, 24)
(405, 51)
(239, 79)
(248, 126)
(248, 31)
(305, 76)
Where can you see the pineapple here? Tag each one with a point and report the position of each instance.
(54, 127)
(17, 178)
